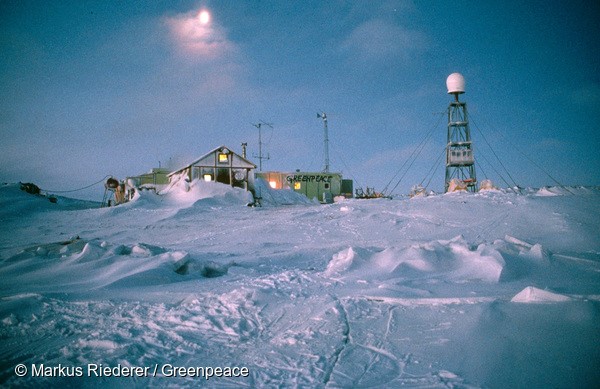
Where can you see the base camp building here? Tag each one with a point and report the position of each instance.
(322, 186)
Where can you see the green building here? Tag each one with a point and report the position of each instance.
(322, 186)
(156, 176)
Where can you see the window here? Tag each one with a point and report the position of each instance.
(297, 186)
(223, 158)
(208, 177)
(327, 186)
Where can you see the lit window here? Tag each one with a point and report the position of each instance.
(208, 177)
(273, 184)
(223, 158)
(297, 186)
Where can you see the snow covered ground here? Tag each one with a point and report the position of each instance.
(494, 289)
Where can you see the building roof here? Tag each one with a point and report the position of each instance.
(210, 160)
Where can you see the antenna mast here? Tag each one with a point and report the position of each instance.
(260, 155)
(460, 162)
(325, 141)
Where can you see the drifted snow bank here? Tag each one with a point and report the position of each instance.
(360, 294)
(451, 259)
(199, 193)
(15, 202)
(275, 197)
(184, 194)
(532, 294)
(60, 266)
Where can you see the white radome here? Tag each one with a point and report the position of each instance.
(455, 83)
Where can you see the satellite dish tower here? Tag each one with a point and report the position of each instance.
(325, 141)
(460, 162)
(260, 155)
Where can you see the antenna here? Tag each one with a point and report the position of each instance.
(260, 155)
(325, 141)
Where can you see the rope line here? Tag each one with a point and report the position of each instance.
(433, 175)
(417, 150)
(494, 169)
(434, 166)
(76, 190)
(526, 156)
(480, 167)
(493, 152)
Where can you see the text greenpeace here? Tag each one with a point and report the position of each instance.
(206, 372)
(157, 370)
(309, 178)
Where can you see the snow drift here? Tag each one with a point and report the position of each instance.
(465, 290)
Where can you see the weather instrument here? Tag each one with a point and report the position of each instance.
(460, 162)
(323, 116)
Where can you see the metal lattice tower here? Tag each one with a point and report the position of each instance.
(460, 162)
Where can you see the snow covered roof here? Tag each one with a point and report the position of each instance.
(210, 160)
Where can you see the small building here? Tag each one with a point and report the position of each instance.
(156, 176)
(155, 180)
(322, 186)
(219, 165)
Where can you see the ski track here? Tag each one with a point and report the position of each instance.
(358, 294)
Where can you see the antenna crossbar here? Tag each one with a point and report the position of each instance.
(260, 154)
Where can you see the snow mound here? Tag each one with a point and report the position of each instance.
(546, 192)
(183, 194)
(198, 190)
(532, 294)
(551, 191)
(522, 259)
(448, 259)
(341, 262)
(61, 266)
(202, 194)
(16, 203)
(275, 197)
(535, 252)
(358, 294)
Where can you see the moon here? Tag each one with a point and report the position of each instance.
(204, 17)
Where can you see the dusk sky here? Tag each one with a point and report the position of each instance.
(92, 88)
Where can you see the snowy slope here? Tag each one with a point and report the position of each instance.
(494, 289)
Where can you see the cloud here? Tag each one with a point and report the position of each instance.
(207, 66)
(378, 39)
(198, 39)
